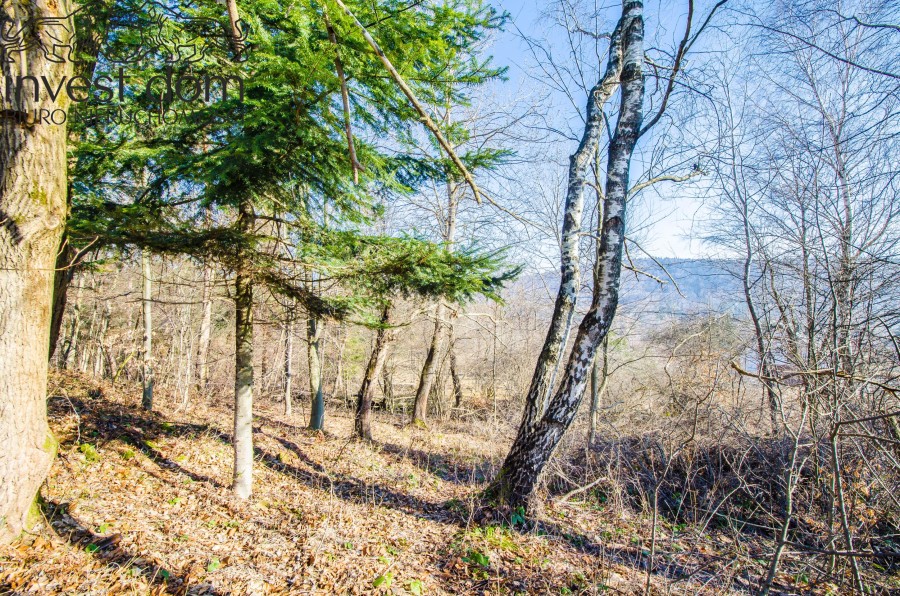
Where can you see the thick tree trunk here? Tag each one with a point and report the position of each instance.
(533, 447)
(147, 350)
(289, 361)
(429, 370)
(243, 366)
(313, 352)
(205, 329)
(32, 218)
(362, 427)
(545, 371)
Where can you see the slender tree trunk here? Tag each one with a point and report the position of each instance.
(534, 445)
(599, 379)
(289, 361)
(86, 348)
(763, 353)
(205, 329)
(32, 218)
(387, 387)
(429, 371)
(362, 427)
(100, 354)
(339, 387)
(427, 376)
(454, 373)
(74, 328)
(243, 366)
(147, 351)
(313, 352)
(243, 333)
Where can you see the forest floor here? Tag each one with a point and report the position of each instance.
(140, 503)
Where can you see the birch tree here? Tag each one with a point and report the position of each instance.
(551, 405)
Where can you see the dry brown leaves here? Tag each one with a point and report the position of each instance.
(145, 508)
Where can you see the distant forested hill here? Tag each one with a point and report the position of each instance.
(702, 285)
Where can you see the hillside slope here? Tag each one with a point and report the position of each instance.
(139, 503)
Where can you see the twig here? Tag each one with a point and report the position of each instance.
(580, 489)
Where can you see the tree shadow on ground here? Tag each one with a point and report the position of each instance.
(106, 550)
(446, 467)
(349, 488)
(104, 421)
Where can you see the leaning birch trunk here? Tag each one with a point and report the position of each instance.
(545, 371)
(147, 351)
(313, 353)
(32, 218)
(205, 328)
(243, 366)
(289, 360)
(533, 447)
(362, 427)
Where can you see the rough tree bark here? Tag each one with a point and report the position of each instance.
(545, 371)
(147, 351)
(32, 217)
(87, 48)
(362, 427)
(313, 349)
(243, 365)
(520, 473)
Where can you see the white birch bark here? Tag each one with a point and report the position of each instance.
(545, 370)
